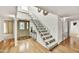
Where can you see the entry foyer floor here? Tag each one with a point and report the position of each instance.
(30, 46)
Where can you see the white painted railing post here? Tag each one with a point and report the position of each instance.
(15, 31)
(15, 27)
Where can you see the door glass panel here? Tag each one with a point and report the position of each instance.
(27, 25)
(21, 25)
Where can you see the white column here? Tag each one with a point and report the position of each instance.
(15, 31)
(60, 30)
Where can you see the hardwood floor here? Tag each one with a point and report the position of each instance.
(28, 45)
(70, 45)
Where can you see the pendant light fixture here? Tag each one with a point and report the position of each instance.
(45, 12)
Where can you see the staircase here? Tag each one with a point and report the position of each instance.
(44, 32)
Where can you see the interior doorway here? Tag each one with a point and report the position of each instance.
(66, 30)
(23, 27)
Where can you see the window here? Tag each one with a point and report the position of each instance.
(5, 27)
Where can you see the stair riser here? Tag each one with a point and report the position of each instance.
(51, 41)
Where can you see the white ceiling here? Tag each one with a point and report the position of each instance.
(7, 10)
(64, 11)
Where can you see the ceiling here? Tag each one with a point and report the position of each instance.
(64, 11)
(7, 10)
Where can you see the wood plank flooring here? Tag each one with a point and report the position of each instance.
(28, 45)
(70, 45)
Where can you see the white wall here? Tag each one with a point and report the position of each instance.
(60, 30)
(1, 30)
(22, 16)
(1, 26)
